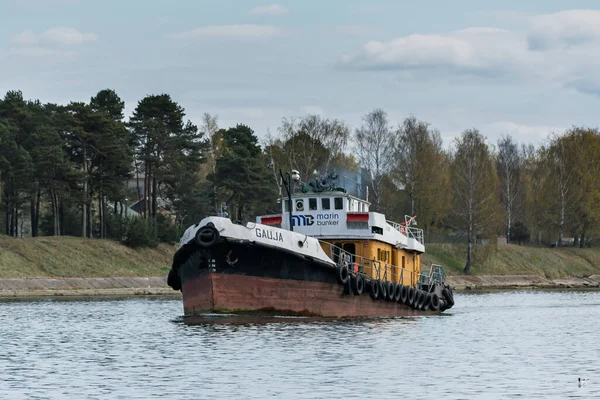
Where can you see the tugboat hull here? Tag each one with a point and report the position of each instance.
(232, 269)
(239, 294)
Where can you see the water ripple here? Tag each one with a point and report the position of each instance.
(499, 345)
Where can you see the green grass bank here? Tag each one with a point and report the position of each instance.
(51, 257)
(78, 257)
(550, 263)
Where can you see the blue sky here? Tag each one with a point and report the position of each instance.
(511, 67)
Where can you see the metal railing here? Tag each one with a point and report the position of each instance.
(415, 233)
(434, 275)
(408, 231)
(374, 269)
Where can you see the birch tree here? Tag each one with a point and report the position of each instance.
(562, 174)
(312, 143)
(508, 165)
(374, 146)
(473, 188)
(420, 167)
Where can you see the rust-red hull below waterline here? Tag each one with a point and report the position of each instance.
(232, 293)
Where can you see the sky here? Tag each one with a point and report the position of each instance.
(527, 69)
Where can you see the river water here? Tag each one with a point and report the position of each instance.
(513, 344)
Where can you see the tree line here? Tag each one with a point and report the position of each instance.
(79, 169)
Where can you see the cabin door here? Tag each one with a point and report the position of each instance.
(350, 248)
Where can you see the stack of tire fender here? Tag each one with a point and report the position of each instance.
(389, 291)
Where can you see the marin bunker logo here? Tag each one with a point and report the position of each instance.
(321, 219)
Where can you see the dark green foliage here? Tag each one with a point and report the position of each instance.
(241, 173)
(166, 230)
(170, 152)
(140, 232)
(519, 233)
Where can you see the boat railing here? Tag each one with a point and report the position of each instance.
(434, 275)
(415, 233)
(370, 268)
(408, 231)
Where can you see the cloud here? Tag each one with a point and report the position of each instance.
(559, 49)
(230, 32)
(273, 9)
(524, 133)
(563, 29)
(589, 86)
(56, 36)
(27, 38)
(478, 51)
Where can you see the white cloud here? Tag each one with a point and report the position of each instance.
(522, 132)
(230, 32)
(563, 29)
(273, 9)
(480, 51)
(68, 36)
(569, 41)
(26, 37)
(56, 36)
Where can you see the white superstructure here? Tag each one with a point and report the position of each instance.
(335, 214)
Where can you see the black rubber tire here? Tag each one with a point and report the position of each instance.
(173, 279)
(411, 296)
(419, 299)
(207, 236)
(425, 305)
(434, 302)
(443, 305)
(391, 291)
(404, 296)
(382, 290)
(374, 289)
(448, 296)
(398, 293)
(348, 286)
(343, 274)
(358, 284)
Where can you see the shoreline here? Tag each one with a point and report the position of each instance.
(157, 285)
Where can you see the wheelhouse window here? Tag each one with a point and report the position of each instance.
(339, 203)
(312, 204)
(287, 205)
(300, 205)
(325, 203)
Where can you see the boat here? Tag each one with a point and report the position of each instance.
(326, 255)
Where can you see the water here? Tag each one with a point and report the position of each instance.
(490, 345)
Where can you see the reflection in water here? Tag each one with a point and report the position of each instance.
(490, 345)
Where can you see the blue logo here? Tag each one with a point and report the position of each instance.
(302, 220)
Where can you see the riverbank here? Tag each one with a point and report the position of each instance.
(69, 266)
(157, 286)
(65, 256)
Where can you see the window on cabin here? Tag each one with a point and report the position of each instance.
(287, 205)
(379, 254)
(312, 204)
(325, 204)
(300, 205)
(339, 203)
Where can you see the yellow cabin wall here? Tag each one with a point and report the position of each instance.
(390, 269)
